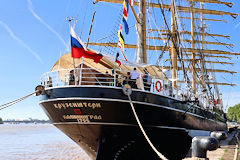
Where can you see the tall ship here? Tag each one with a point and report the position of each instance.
(117, 106)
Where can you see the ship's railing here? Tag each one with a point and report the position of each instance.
(102, 77)
(117, 78)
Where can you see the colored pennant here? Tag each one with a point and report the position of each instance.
(120, 36)
(125, 25)
(117, 61)
(125, 15)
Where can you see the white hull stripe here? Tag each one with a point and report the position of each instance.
(116, 124)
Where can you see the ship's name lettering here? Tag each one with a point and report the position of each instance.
(83, 118)
(79, 104)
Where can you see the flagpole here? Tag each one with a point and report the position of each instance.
(70, 20)
(74, 24)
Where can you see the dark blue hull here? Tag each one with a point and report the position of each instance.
(101, 121)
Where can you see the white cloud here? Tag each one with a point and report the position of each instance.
(20, 41)
(30, 7)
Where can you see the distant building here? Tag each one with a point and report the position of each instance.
(1, 121)
(29, 120)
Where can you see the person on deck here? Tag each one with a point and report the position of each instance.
(127, 78)
(108, 79)
(147, 79)
(71, 78)
(49, 81)
(134, 76)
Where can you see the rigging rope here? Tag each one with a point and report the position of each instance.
(6, 105)
(143, 131)
(154, 41)
(110, 49)
(84, 17)
(160, 34)
(174, 44)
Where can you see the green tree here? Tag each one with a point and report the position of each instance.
(1, 121)
(233, 113)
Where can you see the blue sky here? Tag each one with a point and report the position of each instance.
(34, 33)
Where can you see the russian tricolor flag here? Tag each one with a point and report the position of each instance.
(79, 50)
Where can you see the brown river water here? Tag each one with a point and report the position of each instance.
(37, 142)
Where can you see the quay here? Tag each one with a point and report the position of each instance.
(228, 149)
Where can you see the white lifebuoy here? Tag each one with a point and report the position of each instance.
(156, 86)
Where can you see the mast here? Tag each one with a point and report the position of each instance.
(215, 86)
(173, 49)
(202, 47)
(193, 46)
(141, 32)
(202, 52)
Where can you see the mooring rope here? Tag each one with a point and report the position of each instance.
(143, 131)
(6, 105)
